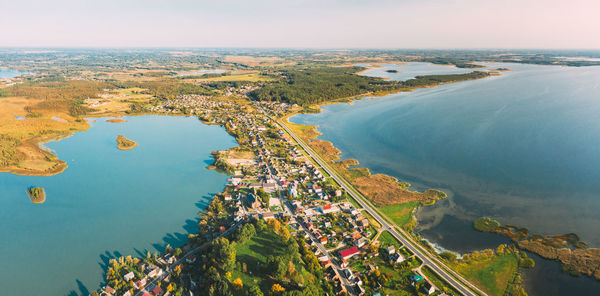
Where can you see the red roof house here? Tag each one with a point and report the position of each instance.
(347, 253)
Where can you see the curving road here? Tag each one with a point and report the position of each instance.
(453, 278)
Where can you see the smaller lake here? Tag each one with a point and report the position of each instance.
(411, 70)
(202, 72)
(107, 203)
(4, 74)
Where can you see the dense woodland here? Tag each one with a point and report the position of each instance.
(312, 86)
(317, 85)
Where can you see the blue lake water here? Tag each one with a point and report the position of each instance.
(107, 203)
(202, 72)
(411, 70)
(10, 73)
(523, 147)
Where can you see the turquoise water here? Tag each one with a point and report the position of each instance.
(523, 147)
(9, 73)
(107, 203)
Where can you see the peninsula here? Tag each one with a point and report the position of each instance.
(124, 143)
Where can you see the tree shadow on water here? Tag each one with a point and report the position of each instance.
(174, 239)
(82, 290)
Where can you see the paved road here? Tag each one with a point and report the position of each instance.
(454, 279)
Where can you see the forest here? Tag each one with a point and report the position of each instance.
(318, 85)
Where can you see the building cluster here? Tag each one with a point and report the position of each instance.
(277, 180)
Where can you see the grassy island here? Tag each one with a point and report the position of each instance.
(37, 195)
(116, 120)
(576, 257)
(124, 143)
(486, 224)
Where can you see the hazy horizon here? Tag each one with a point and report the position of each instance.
(327, 24)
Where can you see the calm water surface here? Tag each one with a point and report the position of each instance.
(523, 148)
(107, 203)
(9, 73)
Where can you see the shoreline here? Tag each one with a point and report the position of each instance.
(555, 255)
(60, 166)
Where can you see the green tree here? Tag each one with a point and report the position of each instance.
(255, 291)
(222, 254)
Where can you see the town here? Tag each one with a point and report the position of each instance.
(275, 192)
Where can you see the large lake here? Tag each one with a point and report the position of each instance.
(523, 147)
(107, 203)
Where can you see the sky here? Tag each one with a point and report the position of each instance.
(301, 23)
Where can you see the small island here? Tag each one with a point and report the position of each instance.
(124, 143)
(116, 120)
(37, 195)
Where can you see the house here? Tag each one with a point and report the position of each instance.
(328, 208)
(428, 288)
(317, 188)
(157, 291)
(324, 240)
(268, 216)
(129, 276)
(396, 258)
(360, 242)
(293, 192)
(190, 259)
(390, 250)
(252, 201)
(228, 197)
(326, 263)
(138, 284)
(348, 253)
(364, 222)
(109, 290)
(128, 293)
(348, 273)
(155, 273)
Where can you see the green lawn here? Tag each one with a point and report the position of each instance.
(490, 274)
(401, 214)
(388, 239)
(254, 253)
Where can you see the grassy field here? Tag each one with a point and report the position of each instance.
(401, 214)
(491, 274)
(388, 239)
(254, 254)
